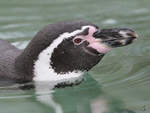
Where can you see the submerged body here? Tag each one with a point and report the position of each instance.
(60, 52)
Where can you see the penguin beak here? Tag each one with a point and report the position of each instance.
(116, 37)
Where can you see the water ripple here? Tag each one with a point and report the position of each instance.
(140, 11)
(110, 21)
(14, 26)
(11, 35)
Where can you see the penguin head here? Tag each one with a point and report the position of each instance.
(70, 47)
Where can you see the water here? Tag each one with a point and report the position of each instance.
(118, 84)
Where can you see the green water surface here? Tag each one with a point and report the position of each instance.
(120, 83)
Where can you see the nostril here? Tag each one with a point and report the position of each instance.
(97, 33)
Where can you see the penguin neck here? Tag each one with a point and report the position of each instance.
(24, 63)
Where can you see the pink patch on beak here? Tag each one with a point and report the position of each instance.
(96, 43)
(101, 48)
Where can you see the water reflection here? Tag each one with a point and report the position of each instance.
(88, 97)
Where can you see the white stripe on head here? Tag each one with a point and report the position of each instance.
(43, 70)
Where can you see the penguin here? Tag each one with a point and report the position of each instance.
(61, 52)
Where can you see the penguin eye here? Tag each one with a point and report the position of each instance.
(78, 41)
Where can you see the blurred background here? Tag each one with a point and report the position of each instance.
(120, 83)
